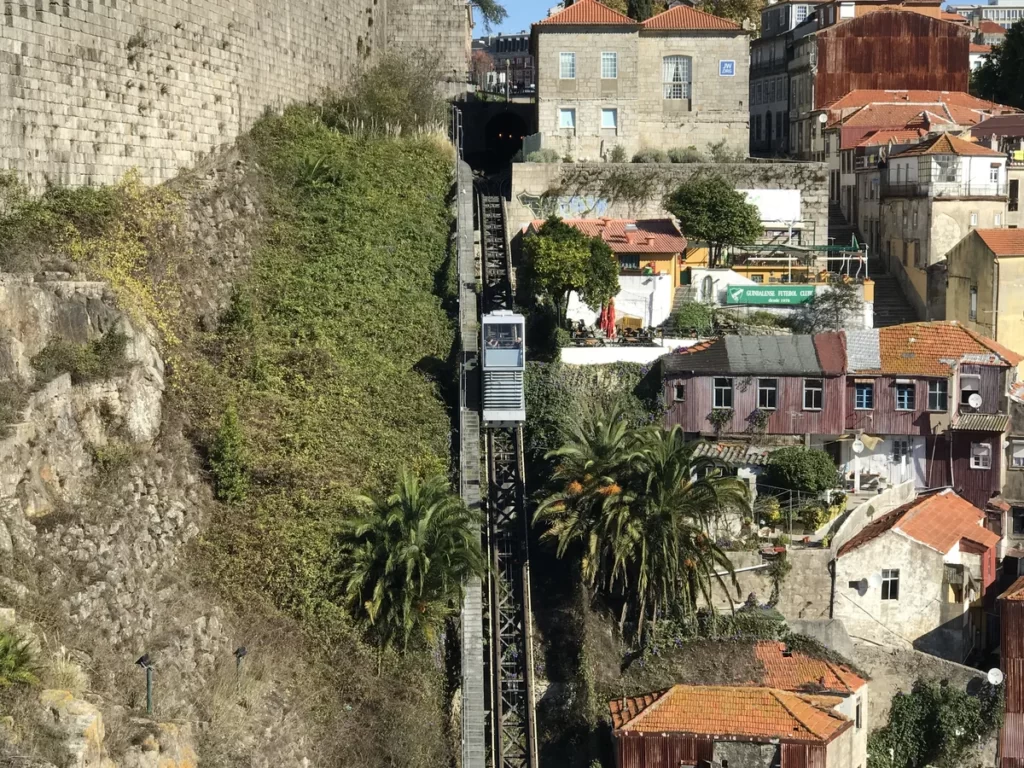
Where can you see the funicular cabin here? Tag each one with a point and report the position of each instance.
(504, 365)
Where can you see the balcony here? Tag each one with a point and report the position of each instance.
(942, 189)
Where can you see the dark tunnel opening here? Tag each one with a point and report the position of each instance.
(503, 137)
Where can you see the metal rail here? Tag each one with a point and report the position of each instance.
(513, 730)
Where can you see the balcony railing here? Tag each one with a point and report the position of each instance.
(941, 189)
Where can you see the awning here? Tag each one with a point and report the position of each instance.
(981, 422)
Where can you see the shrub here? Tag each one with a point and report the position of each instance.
(807, 470)
(685, 155)
(720, 152)
(813, 516)
(692, 317)
(770, 511)
(617, 155)
(17, 662)
(64, 674)
(228, 460)
(544, 156)
(112, 458)
(764, 318)
(651, 156)
(100, 359)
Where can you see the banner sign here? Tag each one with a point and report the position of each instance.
(769, 294)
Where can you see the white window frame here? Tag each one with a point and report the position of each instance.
(909, 387)
(890, 584)
(812, 387)
(716, 388)
(997, 220)
(609, 65)
(571, 112)
(972, 312)
(764, 386)
(677, 77)
(615, 118)
(993, 173)
(1017, 454)
(933, 391)
(981, 456)
(974, 218)
(566, 64)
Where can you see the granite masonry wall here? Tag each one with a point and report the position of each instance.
(91, 88)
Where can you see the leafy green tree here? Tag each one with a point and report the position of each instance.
(405, 560)
(17, 664)
(492, 12)
(641, 10)
(635, 505)
(735, 10)
(228, 460)
(830, 309)
(692, 317)
(561, 259)
(712, 212)
(808, 470)
(999, 78)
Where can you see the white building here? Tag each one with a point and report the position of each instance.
(1001, 12)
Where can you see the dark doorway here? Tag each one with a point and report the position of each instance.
(503, 137)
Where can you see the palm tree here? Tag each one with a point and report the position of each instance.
(595, 458)
(405, 560)
(17, 666)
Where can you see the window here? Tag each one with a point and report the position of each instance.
(864, 399)
(610, 118)
(904, 396)
(759, 279)
(973, 313)
(974, 218)
(1014, 195)
(675, 74)
(567, 119)
(801, 14)
(1017, 455)
(997, 220)
(1017, 513)
(915, 217)
(609, 65)
(859, 722)
(767, 393)
(993, 173)
(970, 384)
(981, 456)
(567, 66)
(938, 393)
(679, 393)
(723, 393)
(814, 391)
(900, 451)
(891, 584)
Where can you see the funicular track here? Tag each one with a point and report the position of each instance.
(509, 656)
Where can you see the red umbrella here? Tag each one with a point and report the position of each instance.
(611, 319)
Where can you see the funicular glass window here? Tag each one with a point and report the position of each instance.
(503, 344)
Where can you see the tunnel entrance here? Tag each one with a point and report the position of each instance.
(503, 137)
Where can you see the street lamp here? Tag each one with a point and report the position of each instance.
(145, 662)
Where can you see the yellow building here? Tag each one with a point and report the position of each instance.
(985, 285)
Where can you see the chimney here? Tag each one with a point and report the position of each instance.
(993, 141)
(650, 240)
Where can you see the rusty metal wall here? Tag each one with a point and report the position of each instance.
(803, 756)
(789, 417)
(1011, 740)
(975, 485)
(884, 419)
(1011, 646)
(992, 387)
(653, 750)
(891, 50)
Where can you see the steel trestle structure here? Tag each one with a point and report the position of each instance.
(512, 737)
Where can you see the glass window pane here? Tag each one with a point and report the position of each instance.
(609, 118)
(609, 65)
(567, 66)
(567, 118)
(676, 77)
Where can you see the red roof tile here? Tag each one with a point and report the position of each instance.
(987, 27)
(1015, 591)
(752, 713)
(1003, 242)
(945, 144)
(979, 48)
(879, 138)
(587, 12)
(939, 520)
(862, 97)
(801, 673)
(932, 349)
(831, 350)
(956, 18)
(650, 236)
(683, 17)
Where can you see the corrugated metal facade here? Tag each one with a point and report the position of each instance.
(1011, 613)
(975, 485)
(890, 50)
(654, 750)
(789, 417)
(802, 756)
(884, 419)
(1011, 741)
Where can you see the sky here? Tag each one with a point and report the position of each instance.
(521, 14)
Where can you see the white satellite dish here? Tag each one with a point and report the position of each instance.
(875, 580)
(995, 676)
(822, 118)
(858, 446)
(974, 400)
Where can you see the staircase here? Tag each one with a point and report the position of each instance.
(684, 294)
(891, 306)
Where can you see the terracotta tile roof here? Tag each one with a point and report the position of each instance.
(979, 48)
(864, 96)
(801, 673)
(956, 18)
(683, 17)
(938, 520)
(902, 116)
(878, 138)
(987, 27)
(650, 235)
(1015, 591)
(1003, 242)
(737, 454)
(587, 12)
(933, 349)
(739, 712)
(945, 144)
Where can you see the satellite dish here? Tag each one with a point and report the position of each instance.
(995, 676)
(862, 586)
(974, 400)
(822, 118)
(858, 446)
(875, 580)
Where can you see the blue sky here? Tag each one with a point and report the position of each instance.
(521, 14)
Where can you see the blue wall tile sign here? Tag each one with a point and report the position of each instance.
(727, 68)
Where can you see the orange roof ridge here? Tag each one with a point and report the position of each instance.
(1003, 242)
(684, 17)
(781, 697)
(587, 12)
